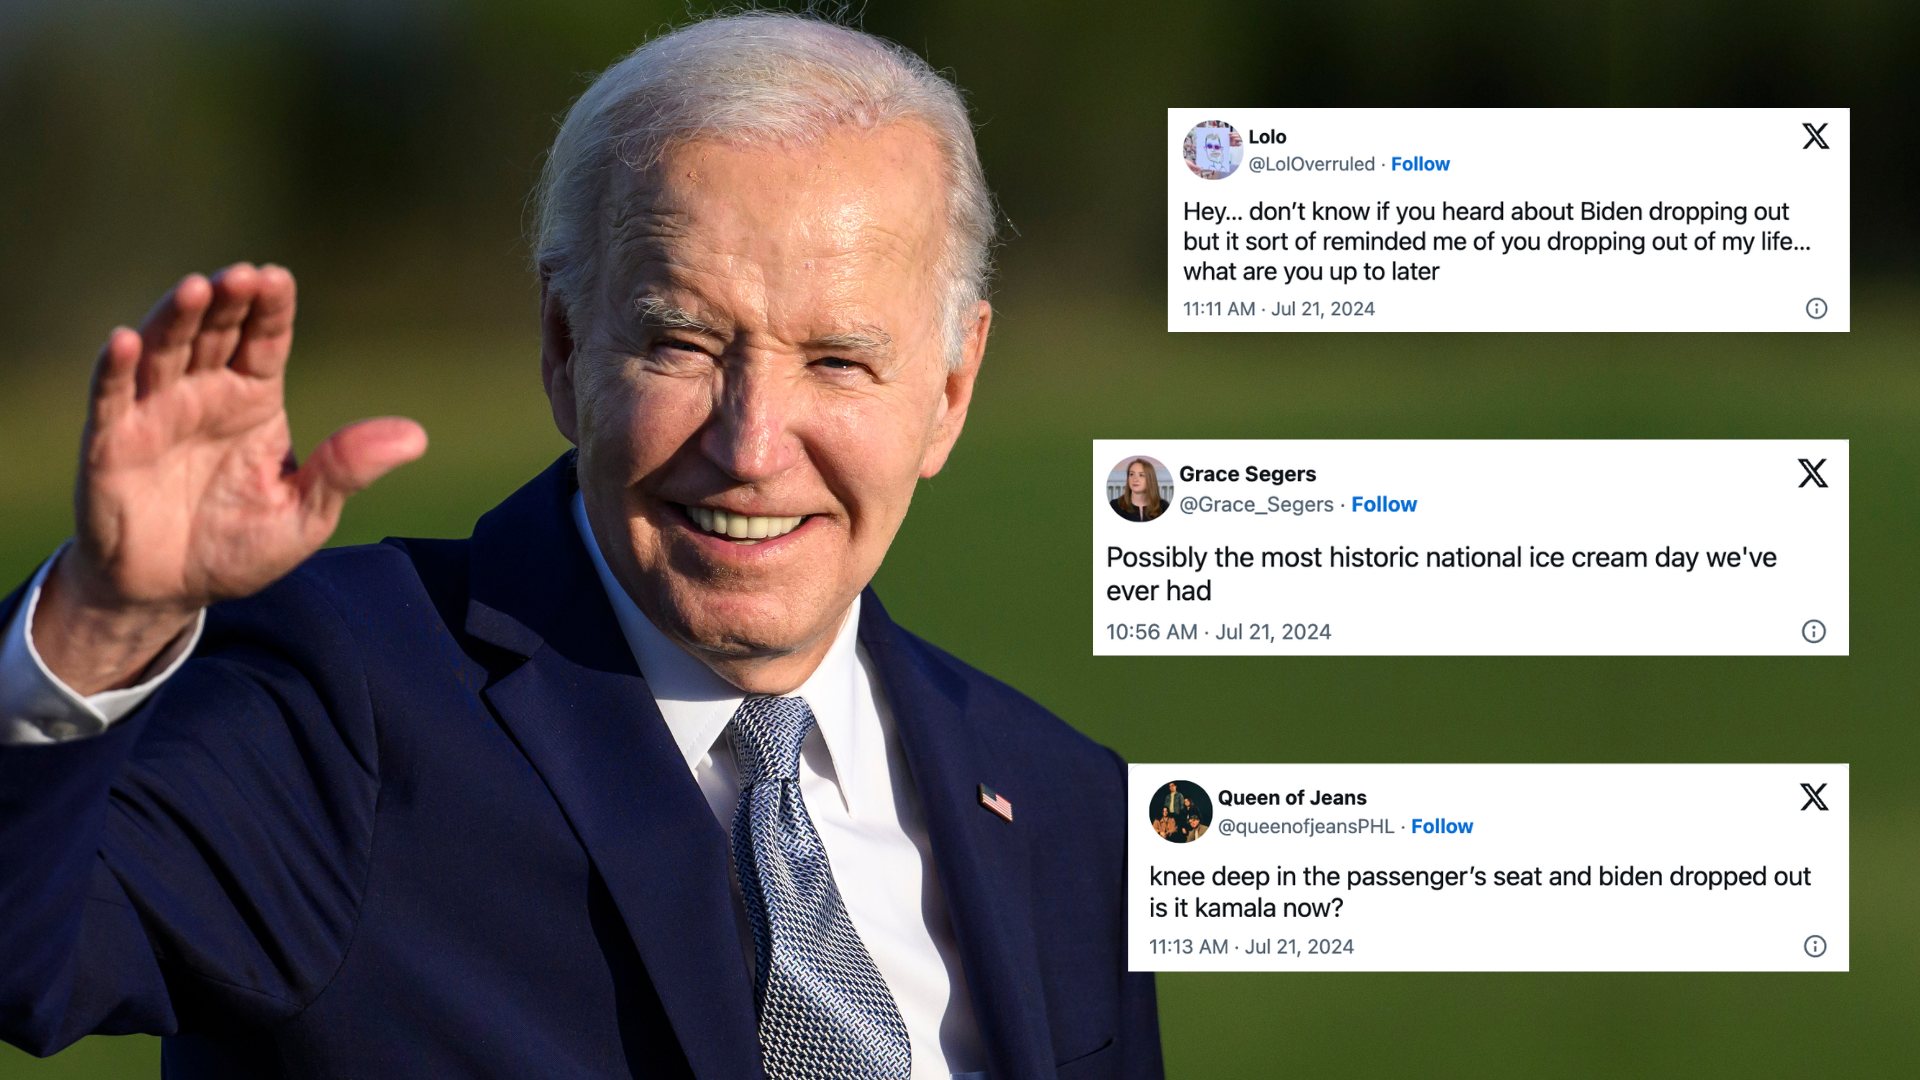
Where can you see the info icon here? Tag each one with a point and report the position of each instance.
(1180, 811)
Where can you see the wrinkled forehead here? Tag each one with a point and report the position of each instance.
(856, 215)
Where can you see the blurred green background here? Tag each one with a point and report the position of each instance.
(384, 149)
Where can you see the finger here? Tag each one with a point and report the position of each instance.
(233, 292)
(114, 385)
(352, 458)
(167, 333)
(267, 336)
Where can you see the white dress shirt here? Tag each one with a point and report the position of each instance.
(853, 776)
(36, 707)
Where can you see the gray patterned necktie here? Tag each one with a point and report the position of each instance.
(825, 1012)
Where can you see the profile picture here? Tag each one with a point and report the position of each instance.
(1140, 488)
(1212, 150)
(1181, 812)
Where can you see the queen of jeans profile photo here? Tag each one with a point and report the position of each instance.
(1212, 149)
(1181, 811)
(1136, 491)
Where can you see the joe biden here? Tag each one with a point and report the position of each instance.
(638, 780)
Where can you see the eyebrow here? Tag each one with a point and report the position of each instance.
(658, 312)
(867, 339)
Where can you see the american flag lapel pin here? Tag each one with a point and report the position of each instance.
(996, 802)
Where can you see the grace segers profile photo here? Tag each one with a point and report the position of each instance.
(1141, 496)
(638, 780)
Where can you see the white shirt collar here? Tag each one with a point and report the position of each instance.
(698, 704)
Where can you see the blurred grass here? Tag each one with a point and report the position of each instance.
(993, 564)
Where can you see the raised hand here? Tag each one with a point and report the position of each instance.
(188, 490)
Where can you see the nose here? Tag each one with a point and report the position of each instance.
(750, 435)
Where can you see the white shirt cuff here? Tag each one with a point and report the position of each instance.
(36, 707)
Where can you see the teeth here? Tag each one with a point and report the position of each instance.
(740, 526)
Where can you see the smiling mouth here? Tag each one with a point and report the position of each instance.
(739, 526)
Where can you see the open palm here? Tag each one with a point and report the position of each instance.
(188, 490)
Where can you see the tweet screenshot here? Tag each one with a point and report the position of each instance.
(1470, 547)
(1508, 219)
(1516, 867)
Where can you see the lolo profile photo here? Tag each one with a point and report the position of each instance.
(1213, 149)
(1180, 811)
(1140, 488)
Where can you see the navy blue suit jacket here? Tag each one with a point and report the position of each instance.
(412, 811)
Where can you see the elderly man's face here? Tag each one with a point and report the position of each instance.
(763, 386)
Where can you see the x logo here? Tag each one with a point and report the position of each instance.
(1813, 137)
(1813, 472)
(1813, 796)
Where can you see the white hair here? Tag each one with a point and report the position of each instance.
(750, 77)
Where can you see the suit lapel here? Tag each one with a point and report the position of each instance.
(582, 714)
(982, 860)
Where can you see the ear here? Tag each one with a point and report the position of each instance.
(957, 394)
(556, 361)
